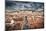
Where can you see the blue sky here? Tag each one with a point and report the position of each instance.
(21, 5)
